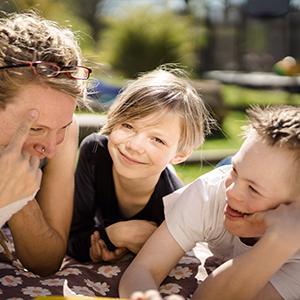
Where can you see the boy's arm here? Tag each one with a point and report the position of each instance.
(40, 230)
(152, 264)
(246, 276)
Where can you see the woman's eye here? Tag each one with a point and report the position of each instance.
(126, 125)
(36, 131)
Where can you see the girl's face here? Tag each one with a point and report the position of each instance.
(55, 115)
(261, 178)
(143, 148)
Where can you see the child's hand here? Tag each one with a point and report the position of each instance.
(152, 295)
(283, 223)
(131, 234)
(99, 251)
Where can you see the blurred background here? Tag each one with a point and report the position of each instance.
(238, 53)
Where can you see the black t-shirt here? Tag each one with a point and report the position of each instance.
(95, 201)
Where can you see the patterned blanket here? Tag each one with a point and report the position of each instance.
(89, 279)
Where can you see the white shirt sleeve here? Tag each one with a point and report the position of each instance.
(195, 213)
(7, 211)
(287, 280)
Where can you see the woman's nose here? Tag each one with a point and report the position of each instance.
(50, 144)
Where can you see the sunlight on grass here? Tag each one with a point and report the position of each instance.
(235, 96)
(231, 130)
(188, 173)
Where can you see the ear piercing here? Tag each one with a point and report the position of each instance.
(43, 149)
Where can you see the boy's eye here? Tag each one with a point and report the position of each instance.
(233, 172)
(253, 189)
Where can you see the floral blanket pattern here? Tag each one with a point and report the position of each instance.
(87, 279)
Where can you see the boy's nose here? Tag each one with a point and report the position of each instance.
(235, 192)
(232, 189)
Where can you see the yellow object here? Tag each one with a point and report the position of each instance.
(288, 66)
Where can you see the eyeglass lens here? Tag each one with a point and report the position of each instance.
(47, 69)
(79, 73)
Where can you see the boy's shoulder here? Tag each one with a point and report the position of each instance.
(210, 185)
(216, 175)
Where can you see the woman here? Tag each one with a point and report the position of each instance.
(41, 82)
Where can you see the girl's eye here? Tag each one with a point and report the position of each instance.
(126, 125)
(157, 140)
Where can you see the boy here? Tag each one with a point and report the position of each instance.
(248, 213)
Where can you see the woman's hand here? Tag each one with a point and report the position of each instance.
(20, 172)
(99, 251)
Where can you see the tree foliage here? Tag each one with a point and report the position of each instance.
(142, 39)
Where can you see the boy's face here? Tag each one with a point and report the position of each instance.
(143, 148)
(262, 177)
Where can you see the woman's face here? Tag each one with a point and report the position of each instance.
(55, 110)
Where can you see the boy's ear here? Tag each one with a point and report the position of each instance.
(180, 157)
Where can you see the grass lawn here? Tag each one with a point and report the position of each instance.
(188, 173)
(239, 97)
(237, 100)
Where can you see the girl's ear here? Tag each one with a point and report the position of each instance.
(180, 157)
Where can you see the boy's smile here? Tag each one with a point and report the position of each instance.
(260, 180)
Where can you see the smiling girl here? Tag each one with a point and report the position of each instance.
(122, 172)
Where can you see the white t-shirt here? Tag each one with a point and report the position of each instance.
(7, 211)
(195, 213)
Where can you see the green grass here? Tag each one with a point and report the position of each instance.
(236, 97)
(232, 140)
(231, 131)
(188, 173)
(237, 100)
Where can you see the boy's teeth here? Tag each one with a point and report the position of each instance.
(247, 214)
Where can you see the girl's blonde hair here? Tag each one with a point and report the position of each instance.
(157, 91)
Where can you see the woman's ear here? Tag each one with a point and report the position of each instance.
(180, 157)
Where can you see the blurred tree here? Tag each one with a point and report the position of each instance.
(89, 12)
(58, 11)
(143, 39)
